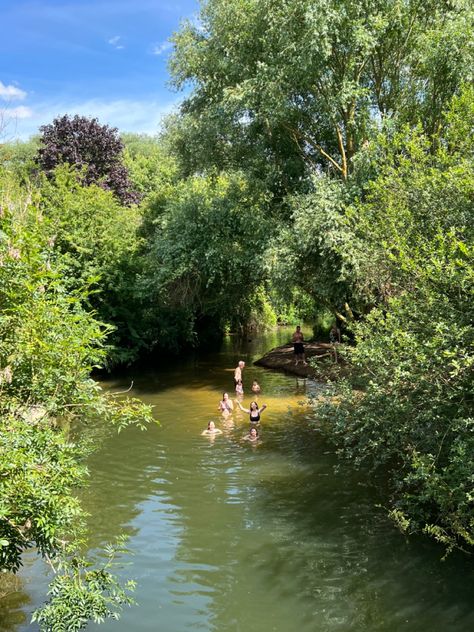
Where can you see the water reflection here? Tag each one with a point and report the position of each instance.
(13, 602)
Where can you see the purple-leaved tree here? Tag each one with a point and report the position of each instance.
(95, 149)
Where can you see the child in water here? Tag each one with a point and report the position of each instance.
(239, 389)
(252, 435)
(256, 387)
(226, 405)
(211, 429)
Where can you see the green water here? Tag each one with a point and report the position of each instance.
(230, 537)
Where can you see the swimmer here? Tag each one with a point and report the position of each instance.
(211, 429)
(226, 405)
(256, 387)
(254, 411)
(252, 435)
(239, 389)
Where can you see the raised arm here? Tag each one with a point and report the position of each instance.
(246, 410)
(260, 410)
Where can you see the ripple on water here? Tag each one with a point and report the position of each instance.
(230, 537)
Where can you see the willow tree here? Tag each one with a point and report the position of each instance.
(307, 81)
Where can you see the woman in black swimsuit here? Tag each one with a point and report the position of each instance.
(254, 411)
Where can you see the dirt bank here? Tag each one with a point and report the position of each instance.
(283, 359)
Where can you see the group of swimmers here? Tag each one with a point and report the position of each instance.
(226, 407)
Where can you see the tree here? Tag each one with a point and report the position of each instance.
(315, 250)
(316, 76)
(205, 260)
(19, 156)
(413, 241)
(95, 150)
(150, 165)
(96, 238)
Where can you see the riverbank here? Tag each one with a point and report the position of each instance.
(283, 359)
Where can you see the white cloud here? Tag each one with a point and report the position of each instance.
(159, 49)
(128, 115)
(115, 42)
(11, 92)
(20, 112)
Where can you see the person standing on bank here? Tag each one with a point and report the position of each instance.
(298, 346)
(238, 372)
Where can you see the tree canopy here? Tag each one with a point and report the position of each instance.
(309, 81)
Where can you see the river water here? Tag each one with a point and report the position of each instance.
(226, 536)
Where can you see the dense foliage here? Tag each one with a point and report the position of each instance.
(97, 239)
(414, 351)
(49, 344)
(205, 258)
(322, 165)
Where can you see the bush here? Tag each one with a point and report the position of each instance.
(48, 346)
(413, 352)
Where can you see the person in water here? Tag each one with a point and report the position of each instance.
(211, 429)
(256, 387)
(254, 411)
(238, 372)
(252, 435)
(239, 389)
(226, 405)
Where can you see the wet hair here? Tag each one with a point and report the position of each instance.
(253, 403)
(250, 431)
(224, 394)
(209, 424)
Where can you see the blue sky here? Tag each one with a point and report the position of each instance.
(102, 58)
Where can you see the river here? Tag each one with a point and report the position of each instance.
(226, 536)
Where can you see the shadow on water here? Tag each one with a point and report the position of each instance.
(13, 602)
(278, 536)
(347, 565)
